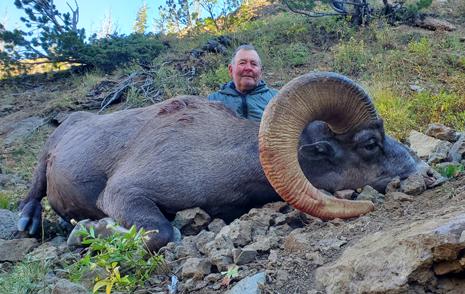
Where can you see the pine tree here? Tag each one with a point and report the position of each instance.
(54, 37)
(141, 20)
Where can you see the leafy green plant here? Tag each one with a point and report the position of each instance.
(451, 170)
(8, 199)
(121, 260)
(230, 274)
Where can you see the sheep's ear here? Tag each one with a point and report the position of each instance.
(317, 151)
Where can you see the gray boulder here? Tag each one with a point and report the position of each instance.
(16, 249)
(422, 145)
(391, 261)
(442, 132)
(457, 151)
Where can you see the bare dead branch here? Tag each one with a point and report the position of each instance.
(75, 18)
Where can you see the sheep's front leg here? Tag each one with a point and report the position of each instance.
(130, 206)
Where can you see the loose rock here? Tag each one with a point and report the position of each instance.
(440, 153)
(249, 285)
(369, 193)
(244, 256)
(442, 132)
(65, 287)
(421, 144)
(16, 249)
(388, 261)
(413, 185)
(457, 151)
(191, 221)
(196, 268)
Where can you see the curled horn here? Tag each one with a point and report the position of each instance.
(328, 97)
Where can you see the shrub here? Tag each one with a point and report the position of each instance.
(351, 57)
(391, 107)
(215, 77)
(296, 54)
(446, 108)
(121, 257)
(421, 48)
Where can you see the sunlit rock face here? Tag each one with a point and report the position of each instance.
(399, 260)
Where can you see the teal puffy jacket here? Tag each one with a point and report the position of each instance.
(249, 105)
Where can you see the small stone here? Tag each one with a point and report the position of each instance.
(344, 194)
(264, 243)
(457, 151)
(416, 88)
(393, 185)
(440, 153)
(399, 196)
(331, 244)
(297, 241)
(191, 221)
(216, 225)
(64, 287)
(315, 258)
(244, 256)
(222, 262)
(413, 185)
(196, 268)
(44, 252)
(442, 132)
(239, 231)
(369, 193)
(273, 257)
(249, 285)
(202, 239)
(213, 278)
(447, 267)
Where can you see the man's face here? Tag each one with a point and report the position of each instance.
(246, 70)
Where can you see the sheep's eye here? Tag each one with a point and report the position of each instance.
(370, 144)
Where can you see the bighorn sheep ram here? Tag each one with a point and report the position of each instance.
(142, 165)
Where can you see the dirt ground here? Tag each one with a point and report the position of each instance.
(294, 272)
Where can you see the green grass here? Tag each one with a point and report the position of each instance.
(24, 277)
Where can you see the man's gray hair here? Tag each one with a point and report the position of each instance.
(247, 47)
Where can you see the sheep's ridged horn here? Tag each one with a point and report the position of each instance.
(328, 97)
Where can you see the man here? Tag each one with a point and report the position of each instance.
(246, 95)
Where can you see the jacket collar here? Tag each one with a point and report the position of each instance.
(230, 89)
